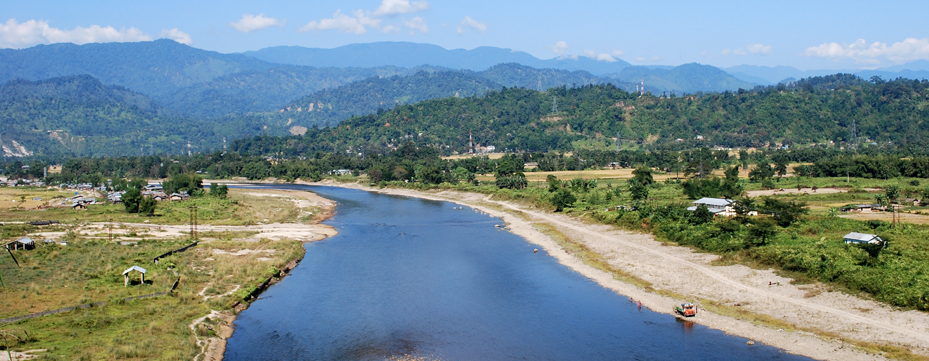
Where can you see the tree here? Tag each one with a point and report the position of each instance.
(784, 212)
(760, 231)
(562, 199)
(701, 215)
(147, 206)
(219, 190)
(643, 175)
(131, 200)
(638, 190)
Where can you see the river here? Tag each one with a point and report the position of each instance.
(440, 281)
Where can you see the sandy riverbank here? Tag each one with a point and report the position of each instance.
(683, 271)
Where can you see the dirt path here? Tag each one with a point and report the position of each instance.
(683, 271)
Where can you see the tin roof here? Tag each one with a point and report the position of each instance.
(714, 201)
(137, 268)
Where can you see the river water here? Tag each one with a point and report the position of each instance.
(425, 278)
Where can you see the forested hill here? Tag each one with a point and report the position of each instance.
(377, 94)
(186, 80)
(816, 110)
(80, 116)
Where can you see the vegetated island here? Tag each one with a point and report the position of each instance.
(244, 240)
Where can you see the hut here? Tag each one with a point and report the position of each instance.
(133, 268)
(22, 243)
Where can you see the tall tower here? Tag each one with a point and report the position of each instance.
(554, 105)
(188, 148)
(224, 145)
(470, 144)
(642, 89)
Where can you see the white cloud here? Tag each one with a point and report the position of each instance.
(618, 53)
(559, 47)
(249, 23)
(606, 57)
(390, 29)
(177, 35)
(861, 52)
(600, 57)
(393, 7)
(356, 24)
(750, 49)
(417, 23)
(759, 49)
(468, 23)
(15, 34)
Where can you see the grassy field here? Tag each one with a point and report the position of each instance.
(218, 271)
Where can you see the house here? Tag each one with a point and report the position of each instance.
(718, 206)
(25, 243)
(133, 268)
(179, 196)
(341, 172)
(913, 201)
(153, 187)
(866, 208)
(863, 238)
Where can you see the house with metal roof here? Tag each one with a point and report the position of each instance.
(718, 206)
(863, 238)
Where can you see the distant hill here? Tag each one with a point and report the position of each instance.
(373, 95)
(80, 116)
(263, 90)
(409, 55)
(186, 80)
(772, 75)
(816, 110)
(687, 78)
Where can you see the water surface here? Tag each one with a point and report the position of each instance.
(412, 276)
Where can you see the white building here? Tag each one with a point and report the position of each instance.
(863, 238)
(718, 206)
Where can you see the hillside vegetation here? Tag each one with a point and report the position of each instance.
(820, 110)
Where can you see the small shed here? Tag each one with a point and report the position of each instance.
(133, 268)
(863, 238)
(22, 243)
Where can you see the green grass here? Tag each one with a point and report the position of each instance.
(90, 270)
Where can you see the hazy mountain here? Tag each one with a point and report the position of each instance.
(80, 116)
(772, 75)
(408, 55)
(331, 106)
(155, 68)
(687, 78)
(263, 90)
(517, 75)
(184, 79)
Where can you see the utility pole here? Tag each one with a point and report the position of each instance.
(193, 222)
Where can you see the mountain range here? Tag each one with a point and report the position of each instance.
(68, 99)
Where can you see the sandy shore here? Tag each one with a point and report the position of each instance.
(683, 271)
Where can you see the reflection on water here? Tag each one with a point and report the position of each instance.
(430, 281)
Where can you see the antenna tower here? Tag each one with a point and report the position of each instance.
(642, 89)
(188, 148)
(855, 133)
(224, 145)
(554, 105)
(470, 144)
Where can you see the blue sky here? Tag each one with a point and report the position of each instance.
(804, 34)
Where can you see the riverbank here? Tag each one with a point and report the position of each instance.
(312, 208)
(805, 319)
